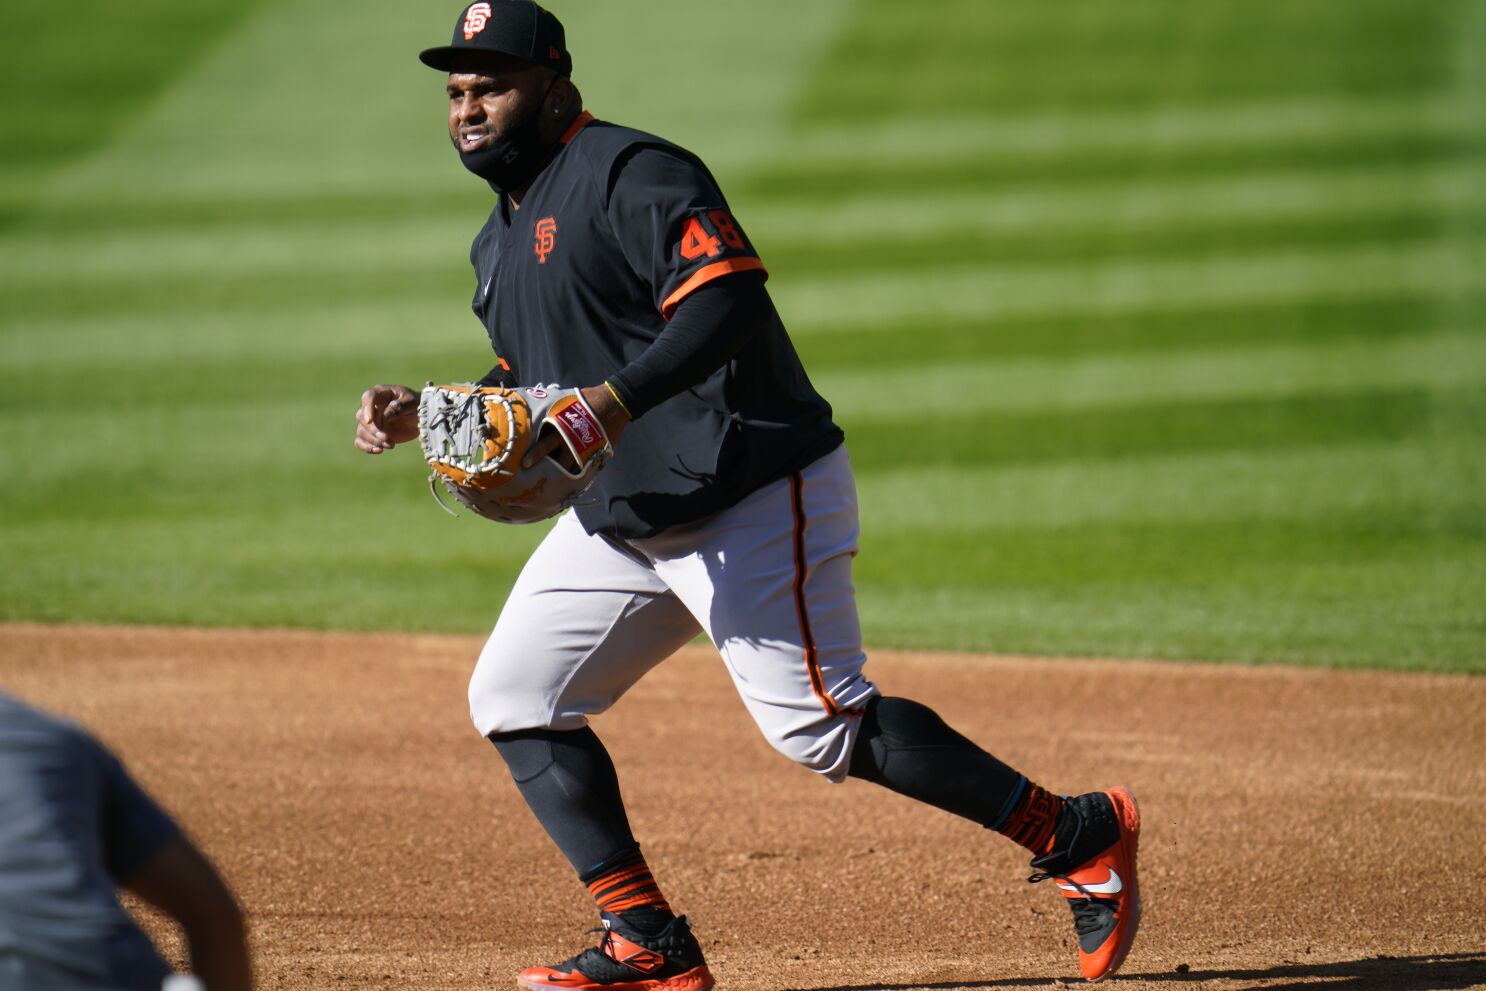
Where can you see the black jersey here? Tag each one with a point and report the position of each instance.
(611, 237)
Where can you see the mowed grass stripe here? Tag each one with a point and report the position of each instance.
(180, 303)
(115, 276)
(139, 49)
(79, 258)
(1300, 614)
(1130, 54)
(1131, 77)
(167, 278)
(220, 212)
(884, 349)
(1441, 360)
(843, 304)
(1034, 591)
(286, 455)
(1089, 436)
(438, 335)
(1383, 583)
(1437, 481)
(300, 279)
(329, 331)
(807, 183)
(248, 251)
(936, 154)
(265, 571)
(1352, 25)
(1285, 398)
(1299, 124)
(281, 138)
(162, 455)
(1235, 200)
(170, 475)
(927, 253)
(1248, 552)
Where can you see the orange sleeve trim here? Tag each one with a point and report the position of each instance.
(706, 275)
(578, 124)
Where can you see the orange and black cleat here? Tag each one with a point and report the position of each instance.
(1096, 872)
(628, 960)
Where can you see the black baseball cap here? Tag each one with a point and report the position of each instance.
(518, 28)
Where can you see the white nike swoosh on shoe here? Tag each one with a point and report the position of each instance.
(1112, 886)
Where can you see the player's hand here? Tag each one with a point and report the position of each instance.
(388, 416)
(604, 406)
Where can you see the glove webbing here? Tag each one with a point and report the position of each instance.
(464, 429)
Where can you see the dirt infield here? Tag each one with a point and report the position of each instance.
(1302, 828)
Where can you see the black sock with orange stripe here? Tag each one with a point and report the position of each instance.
(624, 886)
(567, 778)
(1031, 818)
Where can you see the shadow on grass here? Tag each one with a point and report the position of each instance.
(1439, 972)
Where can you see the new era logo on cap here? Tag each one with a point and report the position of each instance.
(475, 19)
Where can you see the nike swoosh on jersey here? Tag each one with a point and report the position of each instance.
(1112, 886)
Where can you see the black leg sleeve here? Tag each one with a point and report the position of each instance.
(904, 746)
(568, 779)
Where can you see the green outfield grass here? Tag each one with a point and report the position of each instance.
(1156, 328)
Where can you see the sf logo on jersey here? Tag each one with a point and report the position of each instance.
(546, 239)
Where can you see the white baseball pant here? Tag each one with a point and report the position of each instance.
(769, 580)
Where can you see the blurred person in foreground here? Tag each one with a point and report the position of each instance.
(74, 828)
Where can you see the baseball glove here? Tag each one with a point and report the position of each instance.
(474, 438)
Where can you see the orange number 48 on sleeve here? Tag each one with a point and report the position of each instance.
(696, 241)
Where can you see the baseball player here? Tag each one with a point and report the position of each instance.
(74, 827)
(612, 262)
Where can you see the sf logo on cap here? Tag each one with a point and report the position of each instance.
(475, 19)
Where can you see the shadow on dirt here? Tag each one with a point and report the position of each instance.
(1444, 972)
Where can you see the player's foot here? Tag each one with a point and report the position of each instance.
(1096, 872)
(628, 960)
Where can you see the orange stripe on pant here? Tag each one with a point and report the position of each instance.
(802, 570)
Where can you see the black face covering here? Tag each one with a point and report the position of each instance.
(513, 160)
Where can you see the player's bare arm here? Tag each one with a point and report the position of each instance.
(180, 881)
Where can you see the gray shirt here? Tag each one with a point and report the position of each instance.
(72, 823)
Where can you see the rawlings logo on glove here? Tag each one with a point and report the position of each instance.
(475, 438)
(579, 428)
